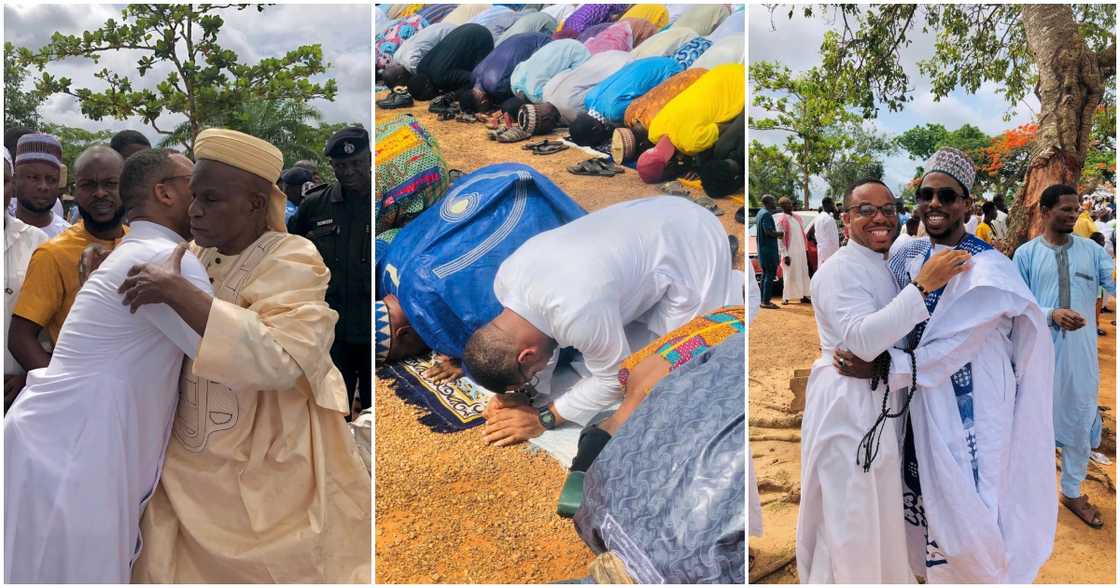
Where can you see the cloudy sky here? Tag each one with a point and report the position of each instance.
(984, 110)
(342, 30)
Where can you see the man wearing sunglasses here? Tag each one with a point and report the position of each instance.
(978, 453)
(850, 527)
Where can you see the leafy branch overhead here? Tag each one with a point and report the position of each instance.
(974, 44)
(203, 79)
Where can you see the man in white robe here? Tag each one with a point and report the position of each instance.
(1065, 272)
(825, 231)
(850, 527)
(649, 264)
(978, 470)
(84, 442)
(20, 241)
(792, 251)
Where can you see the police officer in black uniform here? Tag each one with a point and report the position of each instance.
(338, 218)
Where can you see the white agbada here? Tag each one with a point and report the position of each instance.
(999, 226)
(982, 420)
(754, 519)
(84, 441)
(972, 224)
(658, 261)
(827, 235)
(850, 528)
(795, 276)
(899, 242)
(20, 241)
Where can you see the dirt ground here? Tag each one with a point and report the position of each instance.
(449, 508)
(786, 339)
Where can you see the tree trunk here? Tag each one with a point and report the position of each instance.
(805, 190)
(1070, 87)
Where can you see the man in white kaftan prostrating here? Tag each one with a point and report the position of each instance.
(654, 263)
(792, 251)
(850, 527)
(84, 441)
(978, 474)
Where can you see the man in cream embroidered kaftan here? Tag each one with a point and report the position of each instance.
(263, 481)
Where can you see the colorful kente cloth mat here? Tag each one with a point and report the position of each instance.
(695, 337)
(451, 407)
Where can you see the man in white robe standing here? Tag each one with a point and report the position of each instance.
(824, 230)
(850, 527)
(978, 455)
(652, 263)
(1065, 272)
(84, 442)
(792, 251)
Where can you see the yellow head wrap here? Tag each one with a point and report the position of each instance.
(250, 154)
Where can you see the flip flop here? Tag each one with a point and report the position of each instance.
(708, 203)
(673, 188)
(513, 135)
(591, 167)
(1086, 512)
(549, 148)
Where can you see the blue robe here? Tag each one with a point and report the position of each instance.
(530, 76)
(441, 266)
(1076, 369)
(493, 73)
(612, 95)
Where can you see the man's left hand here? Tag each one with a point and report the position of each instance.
(848, 364)
(511, 425)
(154, 283)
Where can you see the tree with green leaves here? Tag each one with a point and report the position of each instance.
(772, 172)
(205, 80)
(21, 107)
(810, 108)
(1064, 54)
(862, 158)
(924, 140)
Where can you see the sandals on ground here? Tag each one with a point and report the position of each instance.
(596, 166)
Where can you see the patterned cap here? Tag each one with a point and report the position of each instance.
(954, 163)
(527, 118)
(382, 332)
(39, 147)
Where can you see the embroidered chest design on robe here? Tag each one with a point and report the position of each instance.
(207, 407)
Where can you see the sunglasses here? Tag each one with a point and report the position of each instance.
(947, 196)
(869, 210)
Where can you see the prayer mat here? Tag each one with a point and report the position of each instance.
(451, 407)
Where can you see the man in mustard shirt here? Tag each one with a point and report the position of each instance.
(52, 279)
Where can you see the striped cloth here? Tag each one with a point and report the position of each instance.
(411, 173)
(680, 345)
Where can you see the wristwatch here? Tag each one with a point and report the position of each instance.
(548, 420)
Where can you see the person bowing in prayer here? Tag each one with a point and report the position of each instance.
(263, 481)
(634, 270)
(850, 527)
(1064, 272)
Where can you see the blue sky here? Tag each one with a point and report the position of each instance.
(343, 31)
(795, 43)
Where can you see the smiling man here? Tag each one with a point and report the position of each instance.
(979, 455)
(850, 527)
(52, 279)
(262, 481)
(1064, 272)
(338, 219)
